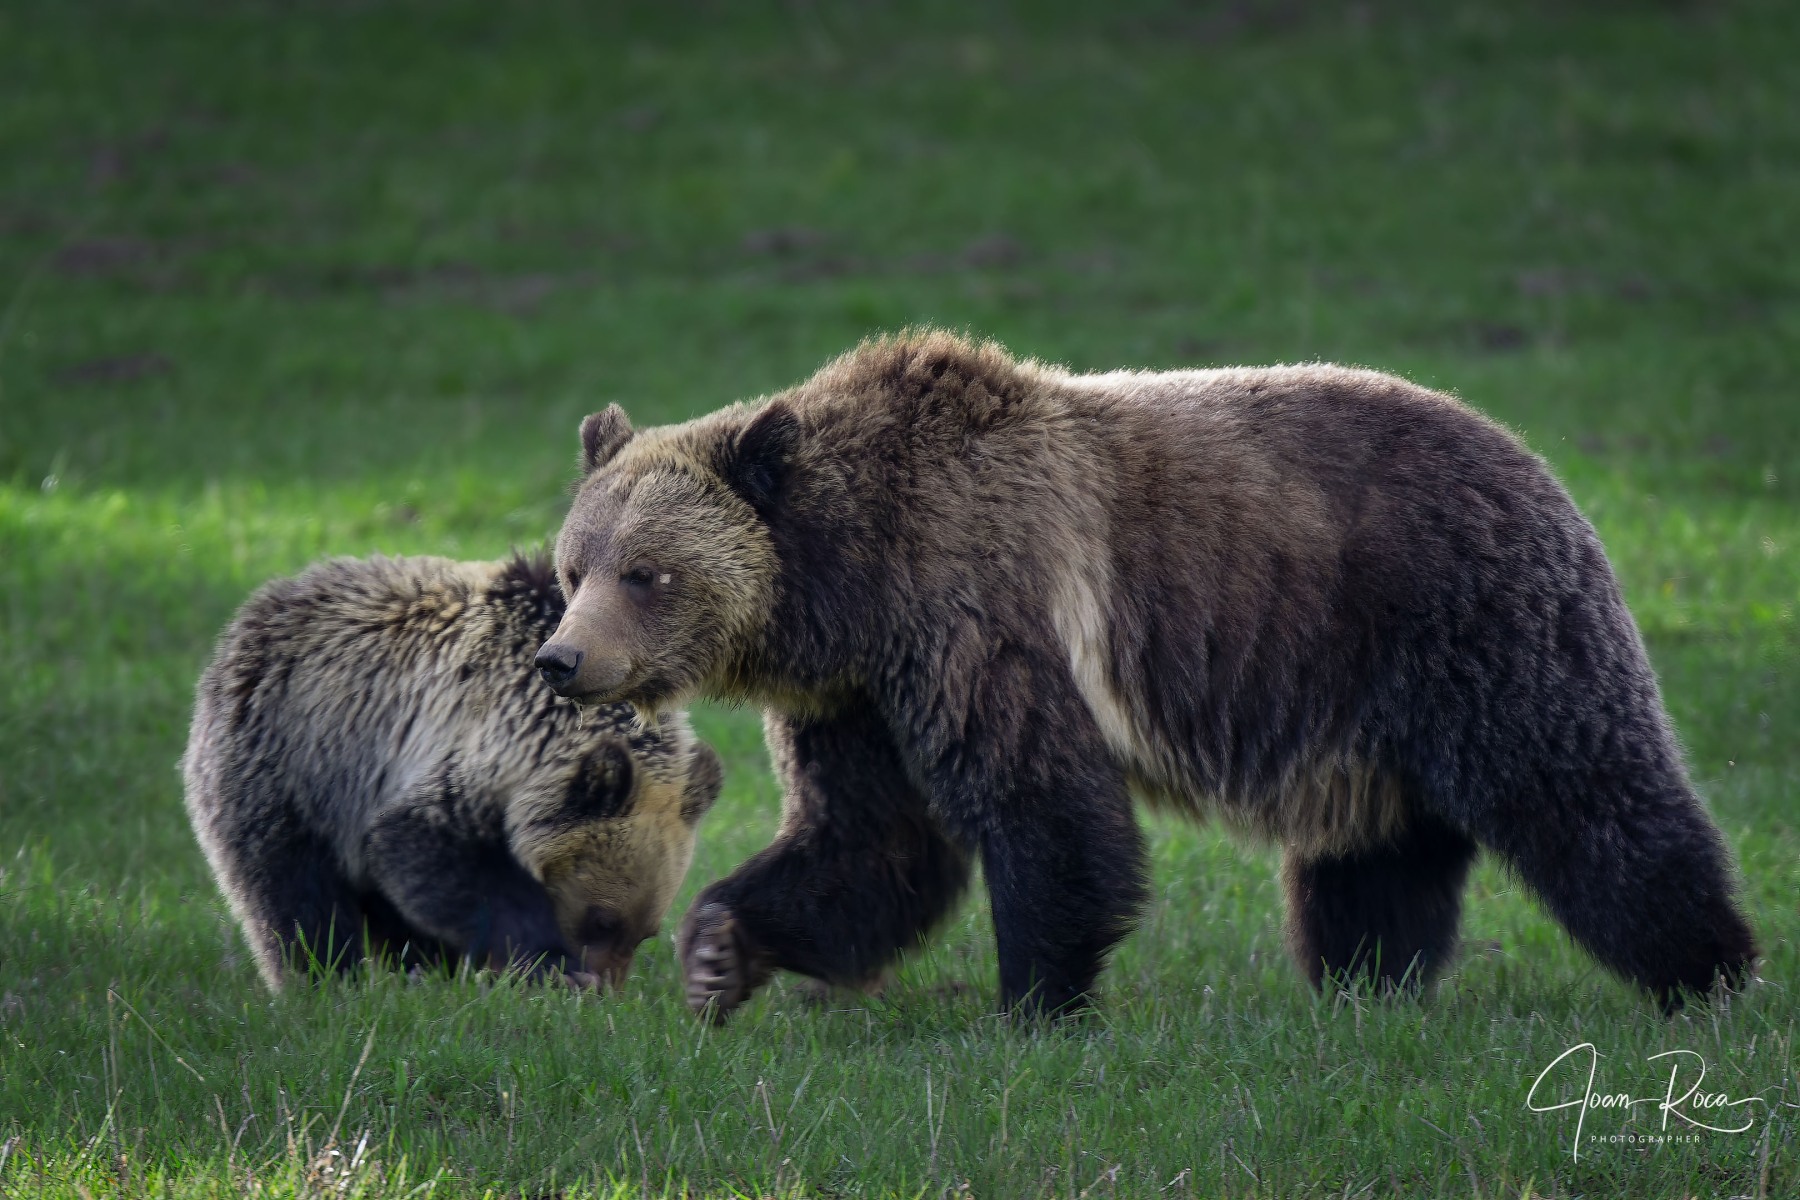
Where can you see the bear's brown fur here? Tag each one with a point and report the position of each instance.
(373, 757)
(984, 600)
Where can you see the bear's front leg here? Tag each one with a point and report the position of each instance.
(1026, 774)
(859, 873)
(463, 887)
(1065, 869)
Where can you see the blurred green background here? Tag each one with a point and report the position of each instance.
(279, 281)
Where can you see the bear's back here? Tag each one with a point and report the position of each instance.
(335, 691)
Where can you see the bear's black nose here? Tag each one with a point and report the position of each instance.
(557, 663)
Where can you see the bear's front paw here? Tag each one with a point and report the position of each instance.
(719, 966)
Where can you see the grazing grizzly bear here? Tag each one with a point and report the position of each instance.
(372, 756)
(983, 600)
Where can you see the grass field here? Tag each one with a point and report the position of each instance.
(281, 281)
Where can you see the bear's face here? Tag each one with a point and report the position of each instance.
(613, 847)
(665, 559)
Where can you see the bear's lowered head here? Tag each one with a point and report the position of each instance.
(666, 558)
(612, 843)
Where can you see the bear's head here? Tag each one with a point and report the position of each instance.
(665, 559)
(611, 842)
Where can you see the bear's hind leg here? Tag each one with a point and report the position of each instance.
(1635, 870)
(298, 911)
(1387, 913)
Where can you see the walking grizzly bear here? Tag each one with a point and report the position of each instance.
(984, 600)
(372, 756)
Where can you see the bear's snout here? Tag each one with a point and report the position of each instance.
(580, 675)
(558, 664)
(608, 944)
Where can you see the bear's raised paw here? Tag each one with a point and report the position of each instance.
(718, 964)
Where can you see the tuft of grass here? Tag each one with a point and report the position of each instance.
(276, 284)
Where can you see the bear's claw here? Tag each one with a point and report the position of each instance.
(719, 967)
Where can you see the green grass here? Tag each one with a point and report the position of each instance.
(282, 281)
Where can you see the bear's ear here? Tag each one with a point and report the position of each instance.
(755, 462)
(706, 774)
(602, 434)
(601, 788)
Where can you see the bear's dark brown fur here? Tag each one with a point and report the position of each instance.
(373, 757)
(984, 600)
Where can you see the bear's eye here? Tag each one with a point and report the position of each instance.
(640, 576)
(571, 583)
